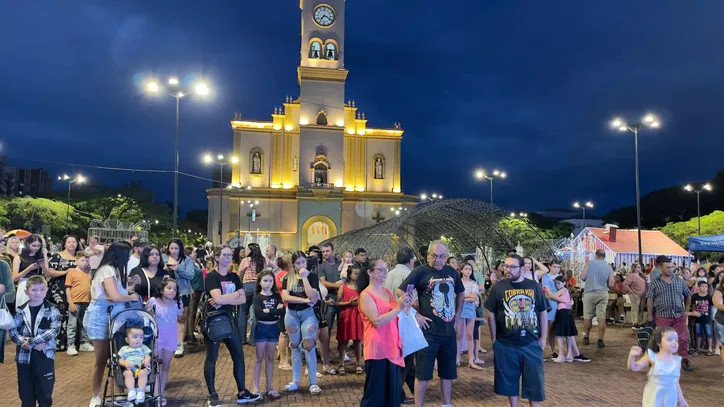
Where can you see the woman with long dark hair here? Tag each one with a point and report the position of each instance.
(382, 345)
(224, 288)
(182, 270)
(7, 292)
(249, 270)
(32, 261)
(300, 291)
(112, 288)
(151, 272)
(58, 267)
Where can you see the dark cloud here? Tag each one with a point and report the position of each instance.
(526, 86)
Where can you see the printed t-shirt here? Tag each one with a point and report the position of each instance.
(436, 290)
(134, 355)
(271, 302)
(516, 307)
(702, 305)
(298, 290)
(79, 283)
(228, 284)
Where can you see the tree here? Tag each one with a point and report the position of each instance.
(32, 213)
(712, 224)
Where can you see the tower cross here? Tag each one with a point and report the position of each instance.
(379, 218)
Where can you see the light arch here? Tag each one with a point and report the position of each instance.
(333, 231)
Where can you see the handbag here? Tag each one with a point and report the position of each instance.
(411, 335)
(7, 322)
(320, 311)
(218, 325)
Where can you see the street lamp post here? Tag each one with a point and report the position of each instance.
(690, 188)
(578, 205)
(649, 121)
(481, 174)
(176, 90)
(70, 180)
(208, 159)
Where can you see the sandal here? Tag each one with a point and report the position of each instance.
(329, 370)
(360, 371)
(709, 353)
(314, 389)
(291, 387)
(273, 395)
(475, 367)
(341, 371)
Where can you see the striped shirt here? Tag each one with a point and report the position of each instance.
(668, 297)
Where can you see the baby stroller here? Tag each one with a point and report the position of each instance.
(117, 335)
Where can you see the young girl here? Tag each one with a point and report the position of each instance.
(167, 303)
(467, 317)
(283, 346)
(565, 326)
(268, 308)
(347, 259)
(662, 389)
(350, 321)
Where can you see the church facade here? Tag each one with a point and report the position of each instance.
(315, 169)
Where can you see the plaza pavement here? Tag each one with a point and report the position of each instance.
(602, 382)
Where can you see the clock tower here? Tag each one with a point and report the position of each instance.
(321, 72)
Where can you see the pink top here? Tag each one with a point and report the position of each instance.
(383, 342)
(566, 297)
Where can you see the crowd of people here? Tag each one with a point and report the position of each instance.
(286, 307)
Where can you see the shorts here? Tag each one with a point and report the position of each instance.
(440, 348)
(266, 332)
(96, 318)
(185, 300)
(512, 362)
(704, 330)
(594, 305)
(719, 328)
(552, 313)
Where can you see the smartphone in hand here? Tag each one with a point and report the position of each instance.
(410, 288)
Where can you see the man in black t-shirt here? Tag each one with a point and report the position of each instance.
(518, 330)
(440, 301)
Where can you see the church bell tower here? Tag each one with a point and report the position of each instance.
(321, 72)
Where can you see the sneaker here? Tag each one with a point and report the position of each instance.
(86, 347)
(717, 351)
(581, 358)
(131, 395)
(636, 327)
(560, 359)
(554, 355)
(586, 341)
(95, 402)
(686, 365)
(600, 344)
(140, 397)
(314, 389)
(213, 401)
(179, 351)
(247, 397)
(71, 351)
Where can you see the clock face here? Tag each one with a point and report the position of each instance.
(324, 16)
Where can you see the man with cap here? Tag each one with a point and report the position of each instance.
(135, 258)
(670, 298)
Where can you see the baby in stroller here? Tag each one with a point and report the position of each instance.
(135, 358)
(134, 361)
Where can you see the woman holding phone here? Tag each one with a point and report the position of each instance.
(33, 261)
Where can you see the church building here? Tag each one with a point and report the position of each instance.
(315, 169)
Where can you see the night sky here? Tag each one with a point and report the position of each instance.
(523, 86)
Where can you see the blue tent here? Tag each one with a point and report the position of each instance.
(713, 243)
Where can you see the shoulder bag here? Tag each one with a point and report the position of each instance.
(217, 324)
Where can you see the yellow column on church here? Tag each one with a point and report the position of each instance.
(351, 161)
(276, 153)
(396, 176)
(361, 146)
(236, 169)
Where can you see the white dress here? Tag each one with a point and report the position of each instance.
(661, 389)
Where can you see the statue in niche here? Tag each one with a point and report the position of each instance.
(256, 163)
(379, 169)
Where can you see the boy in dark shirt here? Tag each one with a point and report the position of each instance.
(37, 323)
(701, 303)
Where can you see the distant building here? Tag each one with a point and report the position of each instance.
(25, 181)
(574, 217)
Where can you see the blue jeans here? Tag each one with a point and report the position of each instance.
(75, 319)
(304, 324)
(246, 314)
(704, 330)
(332, 314)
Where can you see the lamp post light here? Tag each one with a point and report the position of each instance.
(240, 188)
(429, 198)
(209, 159)
(648, 121)
(70, 180)
(519, 215)
(480, 174)
(583, 207)
(176, 90)
(690, 188)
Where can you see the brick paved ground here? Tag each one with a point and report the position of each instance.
(603, 382)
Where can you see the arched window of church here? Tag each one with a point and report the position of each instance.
(330, 51)
(322, 118)
(315, 50)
